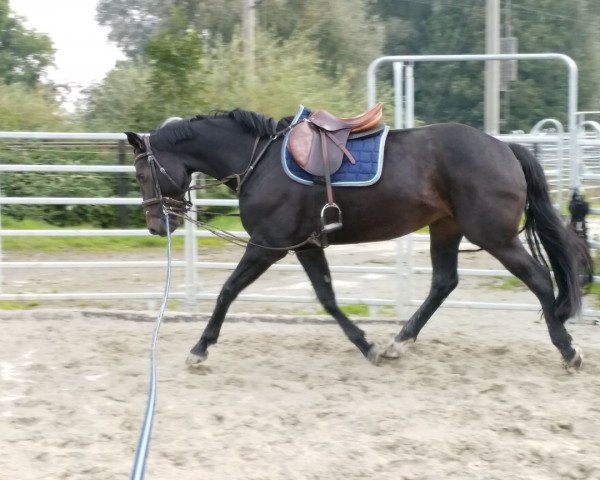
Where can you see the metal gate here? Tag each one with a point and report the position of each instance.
(555, 165)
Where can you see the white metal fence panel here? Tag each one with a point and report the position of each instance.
(550, 147)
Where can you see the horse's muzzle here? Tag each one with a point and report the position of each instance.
(157, 225)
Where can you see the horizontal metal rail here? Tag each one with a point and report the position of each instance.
(268, 298)
(184, 295)
(63, 136)
(68, 168)
(102, 233)
(199, 202)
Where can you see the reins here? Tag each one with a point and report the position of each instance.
(313, 239)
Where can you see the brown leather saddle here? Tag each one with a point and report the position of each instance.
(318, 145)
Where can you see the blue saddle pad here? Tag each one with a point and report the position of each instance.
(367, 151)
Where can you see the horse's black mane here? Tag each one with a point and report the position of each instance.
(176, 131)
(256, 123)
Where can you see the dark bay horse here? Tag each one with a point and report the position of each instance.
(453, 178)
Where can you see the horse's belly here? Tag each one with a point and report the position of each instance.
(384, 222)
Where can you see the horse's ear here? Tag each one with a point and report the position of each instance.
(135, 141)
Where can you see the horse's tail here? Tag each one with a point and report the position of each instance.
(565, 250)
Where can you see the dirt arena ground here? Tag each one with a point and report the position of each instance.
(481, 395)
(475, 398)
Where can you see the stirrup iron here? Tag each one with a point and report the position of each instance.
(336, 223)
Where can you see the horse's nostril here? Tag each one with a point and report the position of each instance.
(152, 231)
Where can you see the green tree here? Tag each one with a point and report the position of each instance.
(24, 108)
(30, 109)
(35, 109)
(448, 91)
(133, 23)
(174, 55)
(24, 53)
(452, 91)
(140, 94)
(405, 23)
(344, 34)
(285, 75)
(122, 100)
(547, 26)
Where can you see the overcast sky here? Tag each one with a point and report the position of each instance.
(83, 53)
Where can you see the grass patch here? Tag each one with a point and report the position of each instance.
(505, 283)
(18, 304)
(228, 223)
(594, 290)
(362, 310)
(356, 310)
(49, 244)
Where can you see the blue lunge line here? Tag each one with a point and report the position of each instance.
(139, 465)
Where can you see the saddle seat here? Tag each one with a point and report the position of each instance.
(359, 123)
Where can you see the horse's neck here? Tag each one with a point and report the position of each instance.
(225, 154)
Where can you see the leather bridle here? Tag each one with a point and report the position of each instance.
(168, 204)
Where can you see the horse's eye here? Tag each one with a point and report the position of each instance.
(140, 177)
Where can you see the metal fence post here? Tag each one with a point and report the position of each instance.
(403, 107)
(122, 185)
(410, 95)
(398, 94)
(191, 256)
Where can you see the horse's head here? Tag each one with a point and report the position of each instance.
(164, 183)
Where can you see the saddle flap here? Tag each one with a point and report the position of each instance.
(300, 142)
(304, 143)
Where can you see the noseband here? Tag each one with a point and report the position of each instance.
(169, 204)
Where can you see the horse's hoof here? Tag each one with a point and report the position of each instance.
(396, 349)
(374, 355)
(193, 359)
(576, 361)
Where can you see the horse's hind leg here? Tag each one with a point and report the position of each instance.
(315, 264)
(253, 264)
(523, 266)
(445, 239)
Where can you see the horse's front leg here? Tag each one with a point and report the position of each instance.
(315, 264)
(254, 263)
